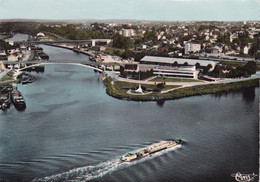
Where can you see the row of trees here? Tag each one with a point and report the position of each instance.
(135, 75)
(240, 71)
(71, 32)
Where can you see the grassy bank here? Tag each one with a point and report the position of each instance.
(117, 91)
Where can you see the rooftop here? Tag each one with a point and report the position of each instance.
(167, 60)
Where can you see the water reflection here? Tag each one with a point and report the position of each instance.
(248, 94)
(160, 103)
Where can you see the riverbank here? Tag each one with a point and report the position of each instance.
(88, 53)
(181, 92)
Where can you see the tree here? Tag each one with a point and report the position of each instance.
(175, 63)
(197, 65)
(160, 86)
(185, 64)
(250, 67)
(209, 66)
(122, 42)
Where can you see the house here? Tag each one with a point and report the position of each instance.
(23, 49)
(2, 66)
(40, 34)
(244, 50)
(225, 68)
(216, 50)
(3, 55)
(99, 48)
(232, 37)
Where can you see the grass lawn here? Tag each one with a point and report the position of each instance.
(119, 85)
(8, 76)
(167, 79)
(117, 90)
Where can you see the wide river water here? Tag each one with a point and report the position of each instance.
(72, 130)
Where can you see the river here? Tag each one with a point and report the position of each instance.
(72, 130)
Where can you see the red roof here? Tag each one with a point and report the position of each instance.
(131, 67)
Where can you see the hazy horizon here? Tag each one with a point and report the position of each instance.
(138, 10)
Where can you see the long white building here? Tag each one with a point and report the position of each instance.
(166, 61)
(183, 71)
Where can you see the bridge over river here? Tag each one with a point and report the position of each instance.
(75, 42)
(99, 66)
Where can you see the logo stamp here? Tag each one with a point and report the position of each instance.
(244, 177)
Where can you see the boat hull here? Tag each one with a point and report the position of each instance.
(18, 100)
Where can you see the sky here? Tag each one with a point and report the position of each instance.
(164, 10)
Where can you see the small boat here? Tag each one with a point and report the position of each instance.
(91, 58)
(28, 80)
(151, 149)
(18, 100)
(5, 100)
(76, 50)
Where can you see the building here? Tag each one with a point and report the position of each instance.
(244, 50)
(99, 48)
(216, 50)
(3, 55)
(40, 34)
(2, 66)
(167, 61)
(183, 71)
(128, 32)
(192, 48)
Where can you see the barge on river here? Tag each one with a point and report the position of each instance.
(151, 149)
(18, 100)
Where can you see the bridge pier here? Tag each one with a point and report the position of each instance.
(93, 43)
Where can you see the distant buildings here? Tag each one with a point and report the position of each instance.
(192, 48)
(127, 32)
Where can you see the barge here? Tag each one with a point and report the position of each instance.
(18, 100)
(151, 149)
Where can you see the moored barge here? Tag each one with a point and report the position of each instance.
(18, 100)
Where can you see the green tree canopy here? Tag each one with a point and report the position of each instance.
(122, 42)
